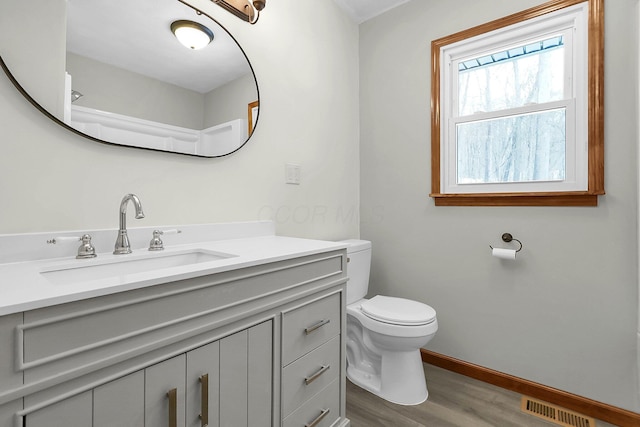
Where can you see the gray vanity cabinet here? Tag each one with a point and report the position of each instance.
(10, 377)
(116, 404)
(74, 411)
(120, 403)
(261, 346)
(235, 374)
(164, 393)
(202, 404)
(311, 363)
(246, 382)
(212, 385)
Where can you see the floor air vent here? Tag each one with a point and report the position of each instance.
(555, 414)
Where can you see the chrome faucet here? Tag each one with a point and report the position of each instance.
(122, 242)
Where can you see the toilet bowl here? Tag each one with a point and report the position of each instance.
(384, 335)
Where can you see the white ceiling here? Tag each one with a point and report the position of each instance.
(363, 10)
(135, 35)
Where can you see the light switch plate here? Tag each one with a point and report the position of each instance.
(292, 173)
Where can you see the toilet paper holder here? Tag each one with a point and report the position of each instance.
(507, 237)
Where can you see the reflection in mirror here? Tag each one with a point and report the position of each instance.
(132, 82)
(252, 114)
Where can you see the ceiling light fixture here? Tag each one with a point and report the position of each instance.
(244, 9)
(192, 34)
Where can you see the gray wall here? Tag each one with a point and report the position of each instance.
(114, 89)
(27, 27)
(230, 102)
(563, 314)
(51, 179)
(121, 91)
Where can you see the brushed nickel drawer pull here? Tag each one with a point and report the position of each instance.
(204, 400)
(319, 418)
(317, 326)
(312, 378)
(173, 407)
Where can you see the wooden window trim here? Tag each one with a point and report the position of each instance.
(595, 115)
(250, 123)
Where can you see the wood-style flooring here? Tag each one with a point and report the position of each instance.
(454, 401)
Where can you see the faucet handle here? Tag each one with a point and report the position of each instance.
(86, 249)
(156, 243)
(171, 231)
(63, 239)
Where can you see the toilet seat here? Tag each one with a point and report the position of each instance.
(385, 327)
(398, 311)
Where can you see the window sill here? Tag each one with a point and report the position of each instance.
(517, 199)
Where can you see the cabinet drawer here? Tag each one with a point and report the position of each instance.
(321, 411)
(309, 326)
(305, 377)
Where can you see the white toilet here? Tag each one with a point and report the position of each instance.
(384, 335)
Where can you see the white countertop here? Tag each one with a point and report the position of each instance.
(24, 287)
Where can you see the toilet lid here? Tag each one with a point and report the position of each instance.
(398, 311)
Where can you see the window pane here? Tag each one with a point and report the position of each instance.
(530, 73)
(521, 148)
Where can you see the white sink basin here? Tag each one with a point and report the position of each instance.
(121, 265)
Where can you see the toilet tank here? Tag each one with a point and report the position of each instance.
(358, 267)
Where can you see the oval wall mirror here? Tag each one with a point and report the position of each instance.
(113, 71)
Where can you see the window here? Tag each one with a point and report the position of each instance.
(517, 109)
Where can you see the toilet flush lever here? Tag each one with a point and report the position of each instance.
(317, 326)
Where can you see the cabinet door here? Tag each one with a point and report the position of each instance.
(233, 380)
(260, 375)
(228, 383)
(8, 411)
(120, 403)
(164, 395)
(75, 411)
(203, 386)
(246, 377)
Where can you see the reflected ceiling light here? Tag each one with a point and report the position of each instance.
(191, 34)
(75, 95)
(244, 9)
